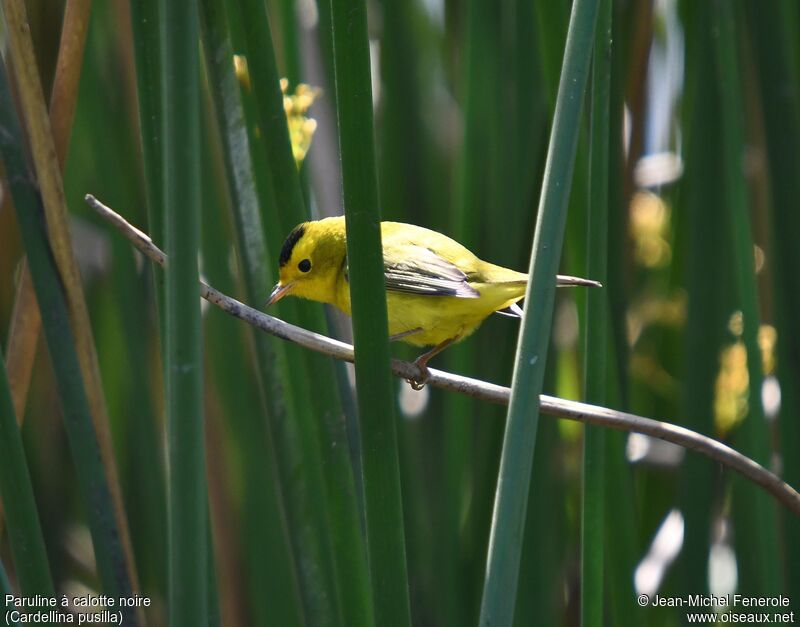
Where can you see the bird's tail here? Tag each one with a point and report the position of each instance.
(563, 280)
(513, 310)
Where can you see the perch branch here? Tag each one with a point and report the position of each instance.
(570, 410)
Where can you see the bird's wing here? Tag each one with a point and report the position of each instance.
(414, 269)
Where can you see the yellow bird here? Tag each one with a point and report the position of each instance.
(437, 291)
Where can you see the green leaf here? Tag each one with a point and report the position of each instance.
(502, 568)
(755, 514)
(16, 491)
(774, 32)
(61, 346)
(384, 511)
(596, 339)
(187, 522)
(146, 21)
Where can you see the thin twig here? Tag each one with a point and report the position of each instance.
(571, 410)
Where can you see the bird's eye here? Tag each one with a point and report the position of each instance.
(304, 266)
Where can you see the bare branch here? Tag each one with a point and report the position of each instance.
(571, 410)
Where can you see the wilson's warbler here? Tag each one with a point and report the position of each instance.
(437, 291)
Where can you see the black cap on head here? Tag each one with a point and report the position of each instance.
(289, 244)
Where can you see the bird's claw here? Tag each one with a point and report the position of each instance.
(418, 382)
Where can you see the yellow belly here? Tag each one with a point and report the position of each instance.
(440, 317)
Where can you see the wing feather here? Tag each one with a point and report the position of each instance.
(419, 270)
(413, 269)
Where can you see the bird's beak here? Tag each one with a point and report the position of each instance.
(278, 292)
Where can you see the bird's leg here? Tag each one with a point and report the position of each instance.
(421, 362)
(400, 336)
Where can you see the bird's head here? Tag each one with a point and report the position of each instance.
(311, 260)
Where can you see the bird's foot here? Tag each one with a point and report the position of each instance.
(418, 382)
(421, 362)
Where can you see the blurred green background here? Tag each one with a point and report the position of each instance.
(703, 290)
